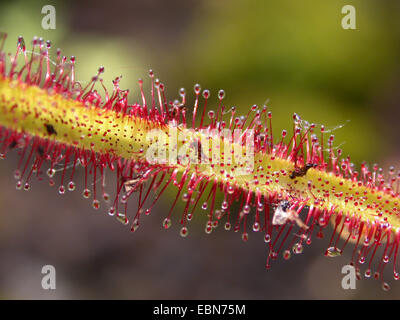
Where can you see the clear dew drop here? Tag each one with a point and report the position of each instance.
(385, 259)
(106, 196)
(135, 225)
(256, 227)
(111, 211)
(218, 214)
(61, 190)
(19, 185)
(167, 223)
(122, 218)
(267, 238)
(208, 228)
(227, 226)
(17, 174)
(50, 172)
(286, 254)
(96, 204)
(123, 198)
(224, 205)
(273, 254)
(246, 209)
(385, 286)
(361, 260)
(185, 197)
(396, 276)
(86, 193)
(71, 186)
(147, 212)
(197, 88)
(367, 273)
(184, 232)
(27, 186)
(204, 206)
(297, 248)
(333, 252)
(230, 190)
(189, 216)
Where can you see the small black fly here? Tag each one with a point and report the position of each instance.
(50, 129)
(300, 172)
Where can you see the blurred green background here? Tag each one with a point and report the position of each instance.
(293, 56)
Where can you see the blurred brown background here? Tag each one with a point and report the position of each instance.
(295, 55)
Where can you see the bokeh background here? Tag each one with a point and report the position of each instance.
(292, 55)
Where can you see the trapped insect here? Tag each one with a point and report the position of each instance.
(283, 214)
(259, 192)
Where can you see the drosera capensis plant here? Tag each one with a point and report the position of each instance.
(289, 186)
